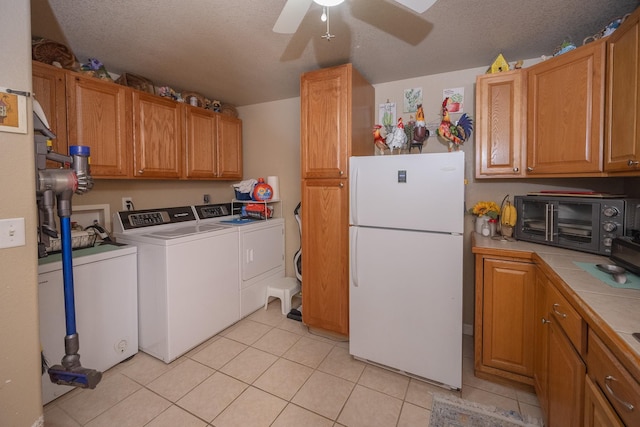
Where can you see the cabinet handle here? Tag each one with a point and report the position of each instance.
(555, 310)
(516, 169)
(632, 163)
(544, 321)
(529, 169)
(628, 406)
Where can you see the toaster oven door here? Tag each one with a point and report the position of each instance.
(559, 221)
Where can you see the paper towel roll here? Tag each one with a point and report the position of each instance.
(275, 186)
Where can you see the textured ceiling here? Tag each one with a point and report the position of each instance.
(226, 49)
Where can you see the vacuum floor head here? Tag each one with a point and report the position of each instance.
(77, 377)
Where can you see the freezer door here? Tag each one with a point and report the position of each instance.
(408, 191)
(405, 301)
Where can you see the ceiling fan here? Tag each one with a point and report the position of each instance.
(294, 11)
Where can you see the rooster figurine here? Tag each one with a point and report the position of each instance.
(397, 138)
(379, 137)
(456, 134)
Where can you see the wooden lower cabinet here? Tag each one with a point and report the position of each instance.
(505, 308)
(325, 252)
(541, 339)
(597, 411)
(565, 381)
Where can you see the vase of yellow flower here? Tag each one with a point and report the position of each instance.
(484, 211)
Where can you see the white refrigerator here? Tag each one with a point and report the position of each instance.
(405, 249)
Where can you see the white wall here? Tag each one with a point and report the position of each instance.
(476, 190)
(271, 134)
(20, 395)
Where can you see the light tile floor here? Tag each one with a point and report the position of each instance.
(267, 370)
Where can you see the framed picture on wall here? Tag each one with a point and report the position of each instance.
(387, 114)
(412, 97)
(13, 112)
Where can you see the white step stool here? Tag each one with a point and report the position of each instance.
(284, 288)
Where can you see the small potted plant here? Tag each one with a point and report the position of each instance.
(484, 211)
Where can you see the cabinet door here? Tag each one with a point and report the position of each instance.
(324, 127)
(158, 136)
(541, 340)
(565, 114)
(597, 411)
(98, 117)
(508, 304)
(49, 90)
(500, 124)
(262, 251)
(622, 150)
(566, 381)
(200, 153)
(325, 251)
(229, 144)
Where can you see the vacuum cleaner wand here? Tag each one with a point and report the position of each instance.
(63, 183)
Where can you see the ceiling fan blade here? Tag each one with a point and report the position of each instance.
(417, 6)
(291, 16)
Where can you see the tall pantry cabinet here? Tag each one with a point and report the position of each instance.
(337, 116)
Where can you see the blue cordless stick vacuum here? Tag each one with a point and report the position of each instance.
(62, 183)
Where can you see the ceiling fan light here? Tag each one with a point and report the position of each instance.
(328, 3)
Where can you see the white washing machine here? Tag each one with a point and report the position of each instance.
(261, 252)
(105, 292)
(188, 275)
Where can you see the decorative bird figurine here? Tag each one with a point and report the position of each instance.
(379, 137)
(420, 131)
(455, 134)
(397, 138)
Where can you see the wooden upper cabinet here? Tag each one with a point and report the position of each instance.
(622, 142)
(335, 122)
(200, 154)
(229, 142)
(158, 136)
(501, 114)
(565, 113)
(98, 116)
(213, 144)
(49, 89)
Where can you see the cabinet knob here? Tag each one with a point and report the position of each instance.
(516, 169)
(342, 173)
(341, 185)
(632, 163)
(529, 169)
(545, 321)
(141, 171)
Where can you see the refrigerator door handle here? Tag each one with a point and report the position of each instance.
(353, 264)
(353, 194)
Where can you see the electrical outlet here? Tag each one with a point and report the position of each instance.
(127, 203)
(206, 199)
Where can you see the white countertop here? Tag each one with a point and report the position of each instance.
(618, 308)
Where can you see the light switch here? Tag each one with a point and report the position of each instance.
(11, 232)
